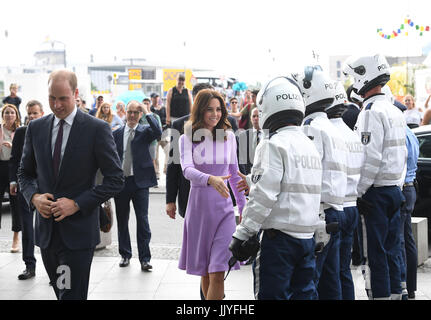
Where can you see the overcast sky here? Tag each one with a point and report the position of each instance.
(231, 36)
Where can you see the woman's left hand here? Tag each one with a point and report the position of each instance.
(7, 144)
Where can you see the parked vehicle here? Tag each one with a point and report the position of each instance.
(423, 174)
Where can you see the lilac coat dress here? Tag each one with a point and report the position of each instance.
(210, 220)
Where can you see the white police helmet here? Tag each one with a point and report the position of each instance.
(337, 108)
(317, 88)
(340, 96)
(279, 102)
(368, 72)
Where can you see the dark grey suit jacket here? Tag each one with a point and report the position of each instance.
(90, 146)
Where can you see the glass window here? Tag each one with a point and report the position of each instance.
(425, 146)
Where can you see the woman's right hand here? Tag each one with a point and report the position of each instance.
(217, 182)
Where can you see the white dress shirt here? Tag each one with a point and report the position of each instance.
(66, 131)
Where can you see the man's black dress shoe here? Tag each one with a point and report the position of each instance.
(26, 274)
(145, 266)
(124, 262)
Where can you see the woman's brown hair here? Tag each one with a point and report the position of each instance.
(17, 122)
(200, 105)
(101, 115)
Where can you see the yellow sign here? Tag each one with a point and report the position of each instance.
(170, 78)
(135, 86)
(135, 74)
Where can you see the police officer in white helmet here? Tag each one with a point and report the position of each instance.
(381, 127)
(284, 198)
(318, 91)
(355, 159)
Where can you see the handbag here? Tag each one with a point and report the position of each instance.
(105, 216)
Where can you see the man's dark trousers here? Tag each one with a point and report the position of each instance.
(139, 197)
(409, 251)
(27, 216)
(61, 262)
(383, 240)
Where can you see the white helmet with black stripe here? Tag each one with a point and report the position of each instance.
(317, 88)
(368, 72)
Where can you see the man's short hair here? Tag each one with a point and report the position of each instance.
(33, 103)
(68, 75)
(146, 99)
(252, 111)
(255, 92)
(181, 77)
(200, 86)
(140, 108)
(13, 85)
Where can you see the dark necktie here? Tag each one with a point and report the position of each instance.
(57, 149)
(258, 138)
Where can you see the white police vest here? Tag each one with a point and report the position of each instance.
(284, 186)
(332, 151)
(381, 128)
(355, 160)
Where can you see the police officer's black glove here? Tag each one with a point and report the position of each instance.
(244, 249)
(364, 206)
(416, 185)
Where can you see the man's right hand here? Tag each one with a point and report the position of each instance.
(171, 209)
(42, 203)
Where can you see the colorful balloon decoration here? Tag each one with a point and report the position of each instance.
(402, 30)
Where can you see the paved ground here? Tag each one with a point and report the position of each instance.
(165, 282)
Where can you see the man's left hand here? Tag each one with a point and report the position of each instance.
(63, 208)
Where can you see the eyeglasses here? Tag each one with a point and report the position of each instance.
(133, 112)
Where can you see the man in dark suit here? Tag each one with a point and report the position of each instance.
(133, 141)
(176, 184)
(61, 155)
(34, 111)
(247, 142)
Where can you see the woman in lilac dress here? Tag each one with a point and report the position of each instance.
(208, 160)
